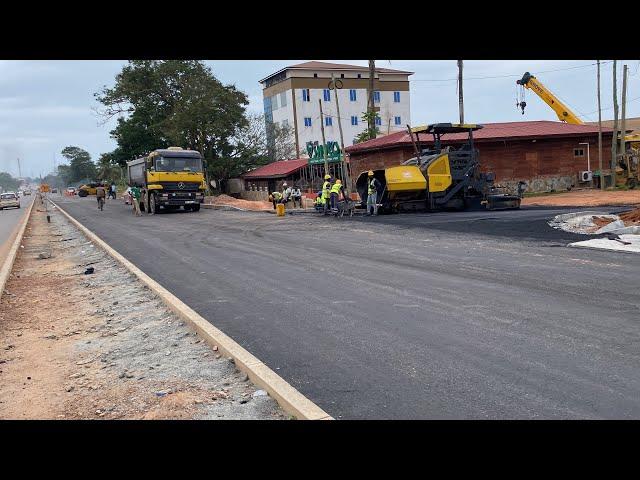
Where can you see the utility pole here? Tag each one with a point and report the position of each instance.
(599, 131)
(371, 108)
(460, 96)
(324, 142)
(614, 141)
(19, 169)
(622, 114)
(345, 169)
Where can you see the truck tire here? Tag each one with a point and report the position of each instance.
(153, 204)
(195, 208)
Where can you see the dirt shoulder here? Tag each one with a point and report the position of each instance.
(586, 198)
(101, 345)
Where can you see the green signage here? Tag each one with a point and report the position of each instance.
(316, 152)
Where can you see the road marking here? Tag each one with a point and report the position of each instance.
(413, 305)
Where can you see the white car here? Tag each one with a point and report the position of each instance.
(9, 199)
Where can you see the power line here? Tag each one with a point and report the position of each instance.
(508, 76)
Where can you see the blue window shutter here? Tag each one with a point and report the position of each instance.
(398, 120)
(396, 97)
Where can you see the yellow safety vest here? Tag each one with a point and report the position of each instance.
(372, 187)
(326, 190)
(336, 188)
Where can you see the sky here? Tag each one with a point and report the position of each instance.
(48, 105)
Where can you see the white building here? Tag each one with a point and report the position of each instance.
(291, 98)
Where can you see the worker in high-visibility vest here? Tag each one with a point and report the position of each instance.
(326, 192)
(275, 197)
(336, 192)
(373, 189)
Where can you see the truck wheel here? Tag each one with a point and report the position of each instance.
(153, 204)
(195, 208)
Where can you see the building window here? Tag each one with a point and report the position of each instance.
(378, 121)
(307, 121)
(397, 120)
(354, 120)
(352, 95)
(359, 76)
(328, 121)
(315, 75)
(376, 97)
(578, 152)
(285, 123)
(274, 102)
(305, 95)
(396, 97)
(342, 75)
(283, 99)
(327, 95)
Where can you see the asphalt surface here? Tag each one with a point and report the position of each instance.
(9, 219)
(417, 316)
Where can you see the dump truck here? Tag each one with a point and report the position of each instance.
(169, 179)
(440, 178)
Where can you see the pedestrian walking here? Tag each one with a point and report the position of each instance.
(113, 191)
(135, 197)
(372, 194)
(100, 196)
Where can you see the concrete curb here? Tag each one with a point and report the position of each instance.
(290, 399)
(5, 270)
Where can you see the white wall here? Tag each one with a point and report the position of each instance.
(388, 110)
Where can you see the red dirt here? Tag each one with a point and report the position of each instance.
(586, 198)
(240, 203)
(631, 218)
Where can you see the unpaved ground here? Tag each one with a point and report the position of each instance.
(586, 198)
(240, 203)
(82, 346)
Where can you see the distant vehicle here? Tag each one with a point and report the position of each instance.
(88, 189)
(71, 190)
(27, 192)
(54, 190)
(8, 200)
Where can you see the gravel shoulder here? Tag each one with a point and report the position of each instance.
(586, 198)
(101, 345)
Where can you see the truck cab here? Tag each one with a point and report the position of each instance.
(169, 179)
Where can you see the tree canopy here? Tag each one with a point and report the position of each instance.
(8, 183)
(160, 103)
(80, 165)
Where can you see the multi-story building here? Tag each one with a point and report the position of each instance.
(291, 98)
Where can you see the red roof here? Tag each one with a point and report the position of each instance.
(319, 66)
(490, 132)
(278, 169)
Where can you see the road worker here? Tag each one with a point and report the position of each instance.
(276, 197)
(287, 192)
(326, 192)
(374, 187)
(296, 196)
(319, 202)
(336, 193)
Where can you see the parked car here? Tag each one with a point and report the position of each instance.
(9, 199)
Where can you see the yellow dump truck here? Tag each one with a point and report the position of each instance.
(440, 177)
(169, 179)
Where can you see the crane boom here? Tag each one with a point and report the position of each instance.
(563, 112)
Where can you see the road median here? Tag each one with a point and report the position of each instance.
(9, 259)
(290, 399)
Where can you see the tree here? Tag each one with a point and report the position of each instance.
(368, 134)
(107, 170)
(80, 164)
(8, 183)
(173, 102)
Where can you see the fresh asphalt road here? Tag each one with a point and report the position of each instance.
(425, 316)
(9, 220)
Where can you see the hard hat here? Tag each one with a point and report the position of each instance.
(371, 173)
(339, 182)
(284, 184)
(327, 177)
